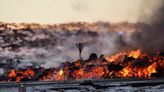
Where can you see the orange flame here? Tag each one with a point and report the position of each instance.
(12, 73)
(60, 75)
(134, 54)
(116, 57)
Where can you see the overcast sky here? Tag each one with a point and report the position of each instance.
(59, 11)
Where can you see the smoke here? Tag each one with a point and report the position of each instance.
(150, 35)
(79, 6)
(52, 46)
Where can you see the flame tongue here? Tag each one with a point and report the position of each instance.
(134, 54)
(12, 73)
(60, 75)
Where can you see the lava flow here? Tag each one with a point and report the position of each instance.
(122, 65)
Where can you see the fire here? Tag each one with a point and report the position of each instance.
(126, 72)
(61, 72)
(19, 75)
(12, 73)
(138, 72)
(122, 65)
(152, 69)
(134, 54)
(116, 57)
(60, 75)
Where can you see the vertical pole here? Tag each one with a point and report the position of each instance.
(80, 48)
(22, 88)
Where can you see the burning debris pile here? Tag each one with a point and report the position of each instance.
(122, 65)
(27, 49)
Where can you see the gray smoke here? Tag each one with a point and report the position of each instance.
(55, 45)
(52, 46)
(79, 6)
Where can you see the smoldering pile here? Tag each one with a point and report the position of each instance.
(131, 64)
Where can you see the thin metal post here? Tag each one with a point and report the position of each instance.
(22, 88)
(80, 47)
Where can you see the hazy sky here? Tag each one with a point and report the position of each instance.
(59, 11)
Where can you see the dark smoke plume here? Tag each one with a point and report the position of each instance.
(150, 37)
